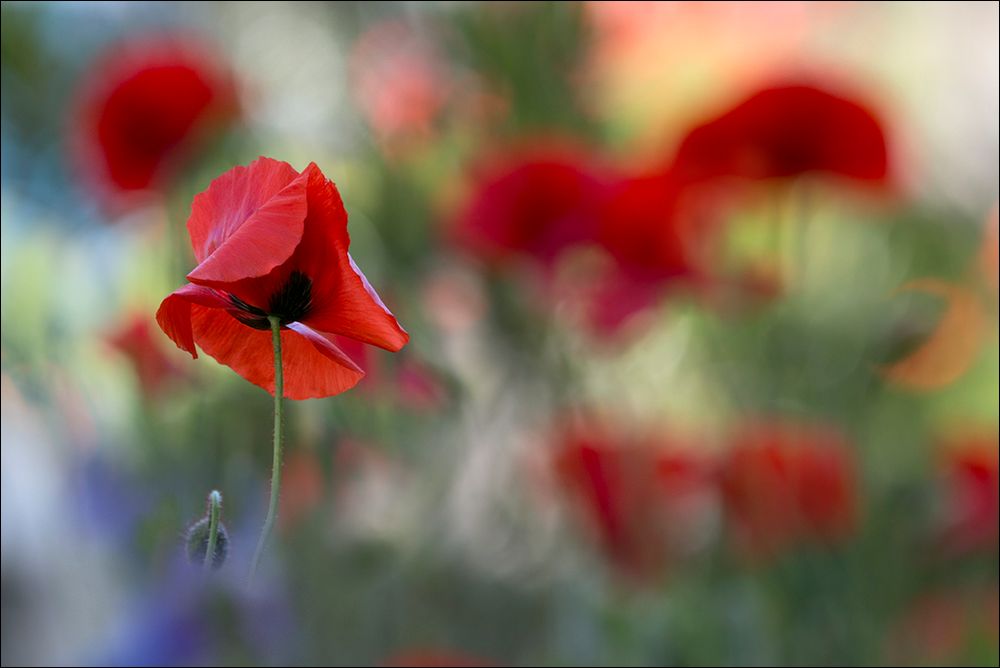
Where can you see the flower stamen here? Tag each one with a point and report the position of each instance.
(290, 303)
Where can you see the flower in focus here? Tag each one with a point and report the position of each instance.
(647, 502)
(144, 107)
(787, 131)
(784, 484)
(532, 203)
(153, 367)
(271, 241)
(972, 494)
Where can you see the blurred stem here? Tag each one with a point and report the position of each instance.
(279, 391)
(214, 510)
(803, 202)
(787, 224)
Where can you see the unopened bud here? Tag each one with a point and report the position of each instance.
(199, 536)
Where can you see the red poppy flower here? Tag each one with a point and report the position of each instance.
(273, 241)
(786, 131)
(945, 627)
(304, 488)
(412, 383)
(784, 484)
(646, 501)
(418, 387)
(400, 81)
(658, 236)
(435, 658)
(613, 301)
(972, 488)
(534, 202)
(145, 104)
(641, 228)
(153, 367)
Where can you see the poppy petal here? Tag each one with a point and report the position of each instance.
(313, 367)
(954, 345)
(325, 346)
(174, 314)
(344, 302)
(784, 131)
(532, 202)
(356, 311)
(143, 108)
(249, 221)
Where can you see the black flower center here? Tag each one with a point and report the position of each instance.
(289, 303)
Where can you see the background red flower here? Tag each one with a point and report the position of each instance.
(945, 627)
(971, 479)
(144, 106)
(784, 484)
(153, 367)
(399, 80)
(644, 500)
(785, 131)
(531, 203)
(658, 236)
(435, 658)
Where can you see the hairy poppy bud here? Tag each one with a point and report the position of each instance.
(198, 538)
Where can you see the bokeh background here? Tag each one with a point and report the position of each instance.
(698, 374)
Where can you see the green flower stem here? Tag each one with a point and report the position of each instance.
(214, 510)
(279, 391)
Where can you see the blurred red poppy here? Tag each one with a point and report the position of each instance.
(142, 108)
(153, 367)
(640, 228)
(410, 382)
(273, 241)
(949, 627)
(435, 658)
(533, 202)
(657, 238)
(786, 131)
(418, 387)
(303, 489)
(646, 501)
(783, 484)
(972, 494)
(400, 81)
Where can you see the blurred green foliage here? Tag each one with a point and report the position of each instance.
(346, 595)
